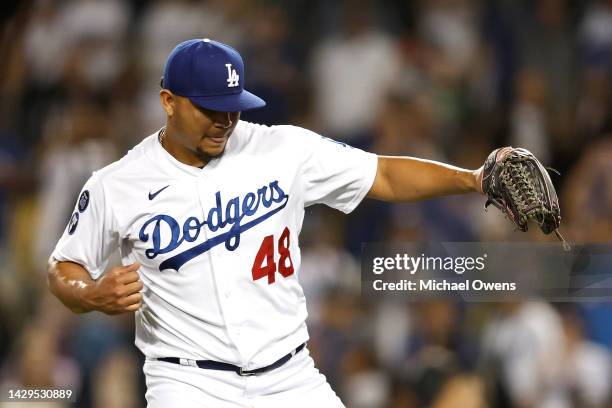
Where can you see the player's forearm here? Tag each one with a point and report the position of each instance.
(401, 179)
(70, 282)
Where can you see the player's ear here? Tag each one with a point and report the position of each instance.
(168, 101)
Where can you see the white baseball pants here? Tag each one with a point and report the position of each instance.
(295, 384)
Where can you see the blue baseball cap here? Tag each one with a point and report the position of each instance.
(210, 74)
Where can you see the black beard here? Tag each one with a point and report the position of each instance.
(205, 157)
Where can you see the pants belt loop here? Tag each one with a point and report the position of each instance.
(188, 362)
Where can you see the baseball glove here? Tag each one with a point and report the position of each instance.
(515, 181)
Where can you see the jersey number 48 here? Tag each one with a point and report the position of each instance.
(264, 264)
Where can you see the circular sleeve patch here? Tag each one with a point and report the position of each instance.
(74, 222)
(83, 201)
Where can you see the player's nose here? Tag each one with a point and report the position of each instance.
(223, 120)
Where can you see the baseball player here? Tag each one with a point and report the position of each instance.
(206, 214)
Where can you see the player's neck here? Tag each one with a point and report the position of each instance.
(178, 151)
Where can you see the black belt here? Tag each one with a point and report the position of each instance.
(217, 365)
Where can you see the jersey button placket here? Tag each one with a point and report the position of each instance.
(216, 256)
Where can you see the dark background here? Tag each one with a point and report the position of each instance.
(442, 79)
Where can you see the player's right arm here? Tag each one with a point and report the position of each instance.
(117, 291)
(78, 272)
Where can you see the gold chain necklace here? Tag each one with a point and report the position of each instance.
(162, 137)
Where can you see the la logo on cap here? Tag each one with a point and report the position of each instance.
(232, 76)
(211, 75)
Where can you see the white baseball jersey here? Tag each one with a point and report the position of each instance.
(218, 245)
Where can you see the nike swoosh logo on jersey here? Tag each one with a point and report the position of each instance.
(153, 195)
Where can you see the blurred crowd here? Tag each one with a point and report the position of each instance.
(439, 79)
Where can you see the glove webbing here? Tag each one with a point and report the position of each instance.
(516, 177)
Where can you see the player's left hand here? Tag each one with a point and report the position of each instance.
(515, 181)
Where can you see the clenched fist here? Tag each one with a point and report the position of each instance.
(118, 291)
